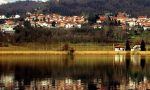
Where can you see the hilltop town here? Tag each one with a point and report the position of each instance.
(56, 28)
(122, 20)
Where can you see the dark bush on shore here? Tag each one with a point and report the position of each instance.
(143, 48)
(128, 45)
(65, 47)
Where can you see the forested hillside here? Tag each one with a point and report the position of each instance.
(78, 7)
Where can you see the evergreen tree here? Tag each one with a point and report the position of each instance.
(128, 46)
(27, 24)
(54, 24)
(143, 46)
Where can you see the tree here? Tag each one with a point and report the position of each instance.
(54, 24)
(2, 21)
(143, 46)
(93, 18)
(128, 46)
(27, 24)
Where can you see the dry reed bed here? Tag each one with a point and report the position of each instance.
(76, 52)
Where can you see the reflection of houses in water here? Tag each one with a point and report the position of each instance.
(135, 85)
(135, 59)
(67, 84)
(119, 58)
(6, 82)
(109, 75)
(131, 84)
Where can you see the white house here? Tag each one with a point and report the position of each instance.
(78, 25)
(3, 17)
(98, 21)
(132, 23)
(136, 48)
(97, 26)
(7, 29)
(146, 27)
(69, 25)
(119, 48)
(17, 16)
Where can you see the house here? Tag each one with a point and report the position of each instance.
(3, 17)
(62, 24)
(9, 22)
(14, 16)
(122, 17)
(146, 26)
(69, 25)
(43, 24)
(142, 17)
(78, 25)
(61, 21)
(136, 48)
(119, 48)
(8, 29)
(132, 22)
(98, 21)
(97, 26)
(102, 19)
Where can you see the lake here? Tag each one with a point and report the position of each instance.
(80, 72)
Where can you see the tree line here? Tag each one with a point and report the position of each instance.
(142, 46)
(74, 35)
(78, 7)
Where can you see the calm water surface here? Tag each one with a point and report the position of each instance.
(94, 72)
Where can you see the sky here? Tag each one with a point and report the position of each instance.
(6, 1)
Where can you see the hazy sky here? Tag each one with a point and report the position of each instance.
(6, 1)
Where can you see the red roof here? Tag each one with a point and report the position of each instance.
(119, 46)
(102, 18)
(142, 16)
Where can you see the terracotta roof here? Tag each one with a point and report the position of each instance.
(142, 16)
(102, 18)
(119, 46)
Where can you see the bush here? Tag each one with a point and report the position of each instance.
(128, 46)
(65, 47)
(143, 46)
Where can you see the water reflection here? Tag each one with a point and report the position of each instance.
(143, 62)
(103, 72)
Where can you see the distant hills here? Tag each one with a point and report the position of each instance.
(20, 7)
(78, 7)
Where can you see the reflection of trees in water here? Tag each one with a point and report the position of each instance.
(111, 74)
(143, 62)
(135, 69)
(128, 61)
(69, 60)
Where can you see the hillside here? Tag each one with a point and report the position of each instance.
(78, 7)
(135, 7)
(20, 7)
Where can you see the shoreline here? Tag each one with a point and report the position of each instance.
(75, 53)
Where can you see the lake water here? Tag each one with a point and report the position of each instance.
(94, 72)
